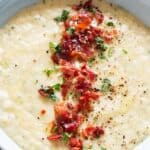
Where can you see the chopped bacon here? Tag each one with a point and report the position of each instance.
(83, 77)
(83, 55)
(92, 95)
(99, 17)
(88, 73)
(62, 113)
(67, 118)
(54, 137)
(84, 20)
(46, 92)
(43, 93)
(75, 144)
(84, 104)
(87, 5)
(43, 111)
(80, 21)
(69, 72)
(65, 87)
(82, 84)
(71, 127)
(93, 132)
(74, 48)
(109, 35)
(56, 58)
(86, 99)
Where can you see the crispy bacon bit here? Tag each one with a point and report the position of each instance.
(93, 132)
(67, 118)
(87, 5)
(75, 144)
(69, 72)
(56, 58)
(54, 137)
(86, 99)
(82, 84)
(109, 35)
(83, 21)
(79, 79)
(65, 89)
(80, 21)
(45, 92)
(43, 111)
(99, 17)
(88, 73)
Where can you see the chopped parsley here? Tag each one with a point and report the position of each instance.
(52, 96)
(57, 86)
(110, 52)
(103, 148)
(64, 16)
(100, 44)
(99, 41)
(91, 60)
(54, 47)
(36, 81)
(71, 30)
(105, 85)
(65, 137)
(125, 51)
(110, 24)
(58, 48)
(5, 64)
(102, 56)
(92, 9)
(48, 72)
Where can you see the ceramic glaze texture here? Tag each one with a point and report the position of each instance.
(23, 57)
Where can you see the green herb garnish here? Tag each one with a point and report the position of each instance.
(71, 30)
(92, 9)
(48, 72)
(106, 85)
(52, 46)
(65, 137)
(57, 86)
(99, 41)
(100, 44)
(58, 48)
(110, 24)
(103, 148)
(91, 60)
(52, 96)
(110, 52)
(125, 51)
(64, 16)
(102, 55)
(36, 81)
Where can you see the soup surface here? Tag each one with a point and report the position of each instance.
(25, 61)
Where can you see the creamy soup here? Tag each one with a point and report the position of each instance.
(25, 57)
